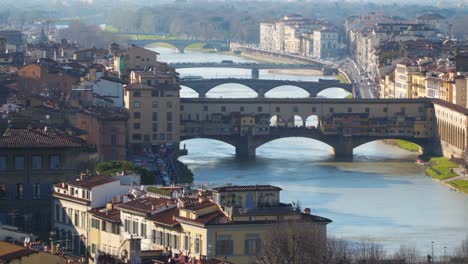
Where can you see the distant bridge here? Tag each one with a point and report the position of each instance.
(180, 45)
(344, 124)
(183, 65)
(261, 87)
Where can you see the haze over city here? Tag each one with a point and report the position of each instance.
(197, 131)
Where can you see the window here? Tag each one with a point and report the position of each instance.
(136, 136)
(19, 191)
(296, 109)
(3, 163)
(93, 248)
(350, 110)
(385, 109)
(159, 238)
(155, 104)
(146, 138)
(154, 93)
(77, 218)
(169, 116)
(36, 162)
(136, 126)
(174, 241)
(169, 127)
(186, 241)
(169, 136)
(3, 191)
(403, 110)
(19, 162)
(331, 110)
(197, 244)
(155, 136)
(155, 128)
(55, 162)
(127, 226)
(260, 109)
(367, 110)
(162, 136)
(314, 109)
(252, 244)
(103, 226)
(205, 108)
(224, 246)
(113, 139)
(136, 93)
(136, 104)
(169, 104)
(37, 191)
(143, 230)
(135, 228)
(137, 115)
(223, 109)
(278, 109)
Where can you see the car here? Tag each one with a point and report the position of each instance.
(137, 162)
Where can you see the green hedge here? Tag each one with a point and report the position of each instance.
(115, 166)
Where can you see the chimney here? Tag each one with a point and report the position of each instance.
(307, 211)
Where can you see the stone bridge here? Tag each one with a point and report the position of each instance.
(180, 45)
(343, 124)
(261, 87)
(184, 65)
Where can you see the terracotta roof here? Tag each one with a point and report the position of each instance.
(112, 215)
(449, 105)
(213, 218)
(145, 205)
(9, 252)
(38, 138)
(197, 206)
(167, 217)
(91, 182)
(142, 86)
(246, 188)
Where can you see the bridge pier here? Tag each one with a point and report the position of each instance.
(245, 147)
(255, 73)
(343, 149)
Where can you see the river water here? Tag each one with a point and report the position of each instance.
(383, 195)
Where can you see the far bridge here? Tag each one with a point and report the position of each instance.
(261, 86)
(269, 66)
(343, 124)
(180, 45)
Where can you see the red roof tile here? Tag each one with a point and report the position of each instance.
(112, 215)
(38, 138)
(91, 182)
(145, 205)
(167, 217)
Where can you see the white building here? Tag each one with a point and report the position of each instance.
(71, 203)
(325, 43)
(105, 87)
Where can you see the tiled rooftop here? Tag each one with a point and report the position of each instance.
(91, 182)
(167, 217)
(38, 138)
(111, 215)
(10, 252)
(145, 205)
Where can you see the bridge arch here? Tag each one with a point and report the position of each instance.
(312, 121)
(420, 142)
(333, 92)
(277, 121)
(281, 92)
(179, 45)
(323, 144)
(240, 91)
(208, 138)
(187, 92)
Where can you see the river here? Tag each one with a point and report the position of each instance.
(383, 195)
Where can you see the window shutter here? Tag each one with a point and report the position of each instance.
(231, 248)
(27, 191)
(218, 248)
(246, 244)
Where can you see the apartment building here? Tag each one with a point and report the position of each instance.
(295, 34)
(31, 160)
(72, 201)
(227, 222)
(154, 115)
(403, 78)
(133, 58)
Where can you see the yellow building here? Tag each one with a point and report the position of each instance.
(403, 73)
(134, 58)
(226, 223)
(154, 115)
(418, 85)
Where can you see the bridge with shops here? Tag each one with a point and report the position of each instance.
(342, 123)
(261, 86)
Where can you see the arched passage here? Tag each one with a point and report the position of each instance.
(388, 149)
(198, 147)
(295, 147)
(287, 91)
(333, 92)
(297, 121)
(231, 90)
(187, 92)
(277, 121)
(312, 121)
